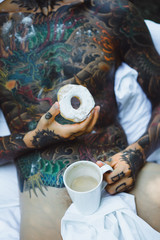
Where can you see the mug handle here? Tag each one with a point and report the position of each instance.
(105, 168)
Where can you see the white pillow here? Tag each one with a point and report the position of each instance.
(134, 107)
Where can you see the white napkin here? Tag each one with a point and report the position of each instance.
(116, 219)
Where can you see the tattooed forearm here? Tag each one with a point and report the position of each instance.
(154, 127)
(144, 143)
(11, 147)
(135, 159)
(151, 140)
(44, 138)
(134, 34)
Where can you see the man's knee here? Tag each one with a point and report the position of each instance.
(147, 194)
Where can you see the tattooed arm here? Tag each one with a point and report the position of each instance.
(150, 141)
(136, 49)
(11, 147)
(127, 164)
(47, 132)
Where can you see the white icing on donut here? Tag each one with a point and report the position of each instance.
(87, 103)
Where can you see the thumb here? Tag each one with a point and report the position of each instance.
(100, 163)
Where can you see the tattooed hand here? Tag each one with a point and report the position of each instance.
(49, 131)
(126, 165)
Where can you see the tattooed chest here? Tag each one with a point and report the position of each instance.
(42, 54)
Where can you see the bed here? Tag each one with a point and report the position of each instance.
(126, 92)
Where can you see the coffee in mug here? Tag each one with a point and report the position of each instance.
(84, 183)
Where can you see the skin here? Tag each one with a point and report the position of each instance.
(86, 49)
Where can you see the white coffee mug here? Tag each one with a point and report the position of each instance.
(84, 183)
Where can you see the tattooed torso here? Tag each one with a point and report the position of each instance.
(82, 44)
(40, 54)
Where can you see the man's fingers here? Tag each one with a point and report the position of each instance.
(82, 127)
(119, 172)
(122, 185)
(52, 112)
(89, 123)
(72, 131)
(94, 119)
(100, 163)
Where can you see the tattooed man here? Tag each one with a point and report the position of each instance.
(81, 42)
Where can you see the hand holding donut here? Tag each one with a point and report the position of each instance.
(126, 165)
(49, 131)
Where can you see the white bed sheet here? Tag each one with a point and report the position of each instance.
(9, 193)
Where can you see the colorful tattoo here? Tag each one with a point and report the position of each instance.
(45, 167)
(151, 139)
(74, 44)
(9, 146)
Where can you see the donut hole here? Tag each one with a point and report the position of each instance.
(75, 102)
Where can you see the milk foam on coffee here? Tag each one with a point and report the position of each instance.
(83, 183)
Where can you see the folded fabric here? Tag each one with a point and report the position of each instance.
(9, 223)
(116, 219)
(134, 106)
(9, 203)
(9, 195)
(4, 130)
(154, 29)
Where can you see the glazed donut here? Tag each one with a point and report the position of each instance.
(67, 111)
